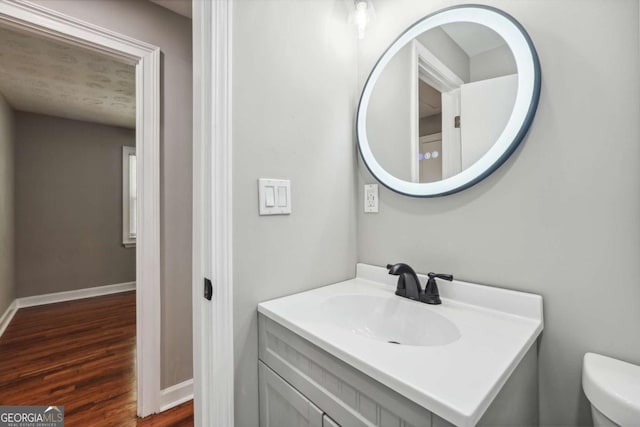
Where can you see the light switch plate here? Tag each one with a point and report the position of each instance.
(371, 198)
(274, 196)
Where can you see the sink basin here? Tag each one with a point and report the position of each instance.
(389, 319)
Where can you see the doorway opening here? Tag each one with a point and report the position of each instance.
(131, 70)
(429, 132)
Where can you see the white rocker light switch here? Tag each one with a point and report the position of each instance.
(274, 196)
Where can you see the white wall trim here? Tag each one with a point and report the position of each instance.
(212, 215)
(55, 297)
(7, 316)
(176, 395)
(148, 233)
(434, 71)
(34, 18)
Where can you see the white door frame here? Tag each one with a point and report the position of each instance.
(427, 67)
(45, 22)
(213, 367)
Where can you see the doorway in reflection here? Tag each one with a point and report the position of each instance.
(429, 132)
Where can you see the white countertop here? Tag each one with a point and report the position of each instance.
(456, 378)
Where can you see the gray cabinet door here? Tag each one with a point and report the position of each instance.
(282, 405)
(328, 422)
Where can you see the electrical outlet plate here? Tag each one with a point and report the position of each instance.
(371, 198)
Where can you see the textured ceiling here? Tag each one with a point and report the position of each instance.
(47, 77)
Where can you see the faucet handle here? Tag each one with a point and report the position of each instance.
(431, 294)
(448, 277)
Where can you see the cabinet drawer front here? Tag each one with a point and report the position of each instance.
(283, 406)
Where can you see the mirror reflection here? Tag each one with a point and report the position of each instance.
(442, 102)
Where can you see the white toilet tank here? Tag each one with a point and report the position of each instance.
(613, 388)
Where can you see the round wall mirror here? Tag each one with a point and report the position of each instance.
(449, 101)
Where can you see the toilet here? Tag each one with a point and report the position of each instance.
(613, 388)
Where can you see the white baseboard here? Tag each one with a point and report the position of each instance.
(61, 297)
(176, 395)
(74, 295)
(7, 316)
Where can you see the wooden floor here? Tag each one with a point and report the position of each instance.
(79, 354)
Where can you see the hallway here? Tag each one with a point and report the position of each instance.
(80, 354)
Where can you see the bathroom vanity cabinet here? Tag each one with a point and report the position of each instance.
(354, 354)
(303, 385)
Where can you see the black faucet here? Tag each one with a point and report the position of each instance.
(408, 282)
(431, 294)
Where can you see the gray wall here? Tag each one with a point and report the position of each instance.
(493, 63)
(7, 198)
(69, 205)
(561, 218)
(148, 22)
(389, 116)
(294, 80)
